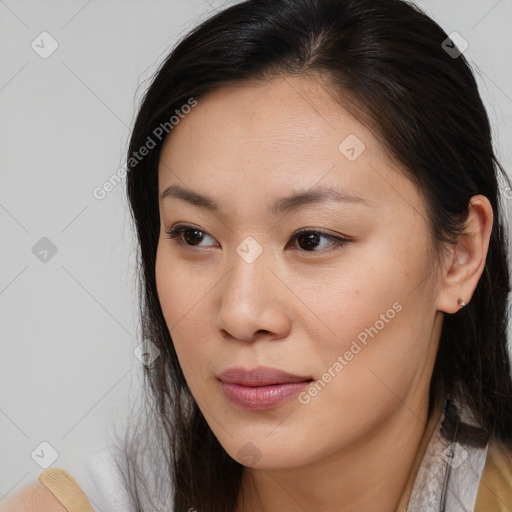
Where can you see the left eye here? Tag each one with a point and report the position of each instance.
(307, 239)
(310, 239)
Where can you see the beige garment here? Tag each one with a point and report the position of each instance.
(495, 489)
(66, 489)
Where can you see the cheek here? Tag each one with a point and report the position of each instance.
(181, 288)
(180, 301)
(378, 321)
(167, 282)
(351, 301)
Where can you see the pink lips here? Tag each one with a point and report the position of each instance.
(260, 388)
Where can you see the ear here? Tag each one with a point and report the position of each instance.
(466, 260)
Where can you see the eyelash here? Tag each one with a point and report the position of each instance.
(175, 235)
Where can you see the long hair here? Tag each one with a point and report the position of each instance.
(408, 82)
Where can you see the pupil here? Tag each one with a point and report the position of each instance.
(312, 240)
(197, 235)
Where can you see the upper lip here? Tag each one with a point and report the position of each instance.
(259, 376)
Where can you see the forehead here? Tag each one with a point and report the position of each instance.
(286, 115)
(288, 133)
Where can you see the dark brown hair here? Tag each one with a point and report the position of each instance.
(389, 58)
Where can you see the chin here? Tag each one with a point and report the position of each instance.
(267, 454)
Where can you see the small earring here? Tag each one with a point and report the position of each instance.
(461, 302)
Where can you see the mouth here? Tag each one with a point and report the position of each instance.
(260, 388)
(260, 376)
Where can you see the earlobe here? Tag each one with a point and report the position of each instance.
(449, 295)
(467, 262)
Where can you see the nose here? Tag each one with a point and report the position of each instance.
(253, 301)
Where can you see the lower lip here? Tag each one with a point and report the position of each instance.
(260, 398)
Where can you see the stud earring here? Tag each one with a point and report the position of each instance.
(461, 302)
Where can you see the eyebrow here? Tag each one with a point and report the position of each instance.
(282, 205)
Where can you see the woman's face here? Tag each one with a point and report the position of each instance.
(358, 319)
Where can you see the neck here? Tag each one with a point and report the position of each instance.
(368, 475)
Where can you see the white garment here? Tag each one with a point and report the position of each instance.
(449, 475)
(103, 484)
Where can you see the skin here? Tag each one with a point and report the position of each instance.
(33, 497)
(352, 446)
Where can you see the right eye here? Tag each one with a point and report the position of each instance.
(186, 235)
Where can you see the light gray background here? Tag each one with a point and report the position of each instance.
(68, 326)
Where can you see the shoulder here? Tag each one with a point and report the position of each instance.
(34, 497)
(56, 491)
(495, 490)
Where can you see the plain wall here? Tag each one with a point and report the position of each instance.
(68, 325)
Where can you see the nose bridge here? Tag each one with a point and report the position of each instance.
(249, 273)
(249, 299)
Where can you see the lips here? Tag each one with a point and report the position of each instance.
(260, 388)
(259, 376)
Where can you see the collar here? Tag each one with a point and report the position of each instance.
(448, 465)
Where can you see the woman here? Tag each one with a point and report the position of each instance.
(324, 275)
